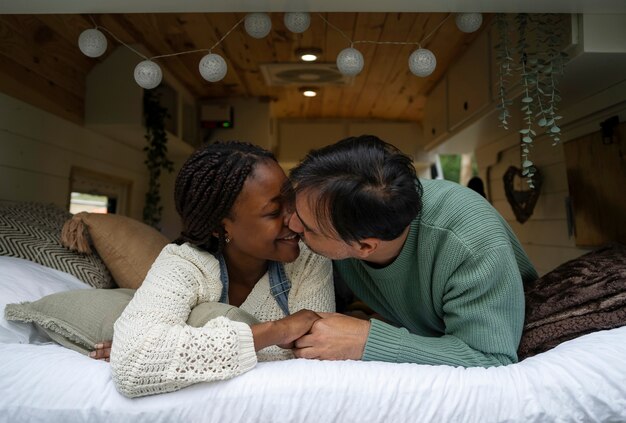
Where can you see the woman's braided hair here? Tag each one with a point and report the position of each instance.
(208, 185)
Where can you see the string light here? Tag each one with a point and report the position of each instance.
(148, 74)
(92, 42)
(468, 22)
(213, 67)
(258, 25)
(422, 62)
(297, 22)
(350, 61)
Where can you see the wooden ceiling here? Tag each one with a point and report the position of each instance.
(40, 61)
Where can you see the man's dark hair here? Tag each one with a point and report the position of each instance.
(361, 187)
(208, 185)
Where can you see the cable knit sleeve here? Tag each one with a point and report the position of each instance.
(155, 351)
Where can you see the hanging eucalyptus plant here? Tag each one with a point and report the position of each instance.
(540, 62)
(156, 155)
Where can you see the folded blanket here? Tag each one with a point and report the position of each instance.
(581, 296)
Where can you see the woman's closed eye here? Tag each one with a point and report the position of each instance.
(275, 213)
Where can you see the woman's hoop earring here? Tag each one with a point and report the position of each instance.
(226, 238)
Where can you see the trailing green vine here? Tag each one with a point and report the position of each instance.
(540, 65)
(156, 155)
(528, 62)
(505, 60)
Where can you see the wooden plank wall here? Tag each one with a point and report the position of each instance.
(38, 151)
(545, 235)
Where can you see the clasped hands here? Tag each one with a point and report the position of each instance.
(324, 336)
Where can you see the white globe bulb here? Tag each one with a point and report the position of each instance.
(297, 22)
(350, 61)
(468, 22)
(213, 67)
(92, 42)
(422, 62)
(148, 74)
(258, 25)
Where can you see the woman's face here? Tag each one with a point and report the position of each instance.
(257, 226)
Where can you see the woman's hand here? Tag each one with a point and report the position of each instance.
(295, 326)
(285, 331)
(102, 351)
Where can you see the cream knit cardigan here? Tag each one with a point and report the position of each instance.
(155, 351)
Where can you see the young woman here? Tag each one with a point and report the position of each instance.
(232, 248)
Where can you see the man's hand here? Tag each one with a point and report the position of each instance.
(334, 337)
(102, 351)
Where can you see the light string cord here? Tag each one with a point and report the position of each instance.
(117, 39)
(166, 55)
(419, 44)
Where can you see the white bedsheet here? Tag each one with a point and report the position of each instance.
(582, 380)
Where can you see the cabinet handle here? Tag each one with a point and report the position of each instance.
(465, 106)
(433, 131)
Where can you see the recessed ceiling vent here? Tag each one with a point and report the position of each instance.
(309, 74)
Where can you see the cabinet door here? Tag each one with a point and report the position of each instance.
(468, 83)
(435, 123)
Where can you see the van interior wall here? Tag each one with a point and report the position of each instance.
(39, 149)
(546, 236)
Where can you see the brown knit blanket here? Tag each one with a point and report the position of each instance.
(584, 295)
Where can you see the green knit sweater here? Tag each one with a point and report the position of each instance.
(454, 295)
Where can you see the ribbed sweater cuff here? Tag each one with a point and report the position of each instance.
(247, 355)
(382, 342)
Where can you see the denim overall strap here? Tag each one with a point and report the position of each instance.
(280, 285)
(223, 278)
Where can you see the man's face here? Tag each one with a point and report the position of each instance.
(304, 222)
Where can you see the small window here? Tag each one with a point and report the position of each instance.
(83, 202)
(96, 192)
(459, 168)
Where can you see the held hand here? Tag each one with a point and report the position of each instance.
(102, 351)
(285, 331)
(295, 326)
(334, 337)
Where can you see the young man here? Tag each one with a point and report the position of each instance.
(433, 258)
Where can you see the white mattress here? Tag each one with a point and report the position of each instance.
(582, 380)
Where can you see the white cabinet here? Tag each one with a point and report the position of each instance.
(469, 83)
(435, 122)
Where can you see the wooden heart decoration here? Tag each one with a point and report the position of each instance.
(522, 202)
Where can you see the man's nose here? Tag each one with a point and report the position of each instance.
(287, 217)
(295, 224)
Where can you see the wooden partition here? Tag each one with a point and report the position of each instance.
(596, 174)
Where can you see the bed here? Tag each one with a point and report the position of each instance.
(581, 379)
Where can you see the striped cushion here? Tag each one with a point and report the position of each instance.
(32, 231)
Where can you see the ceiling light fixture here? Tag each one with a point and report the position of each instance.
(308, 91)
(308, 54)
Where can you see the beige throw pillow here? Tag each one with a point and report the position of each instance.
(127, 246)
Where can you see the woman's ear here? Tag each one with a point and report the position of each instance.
(225, 223)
